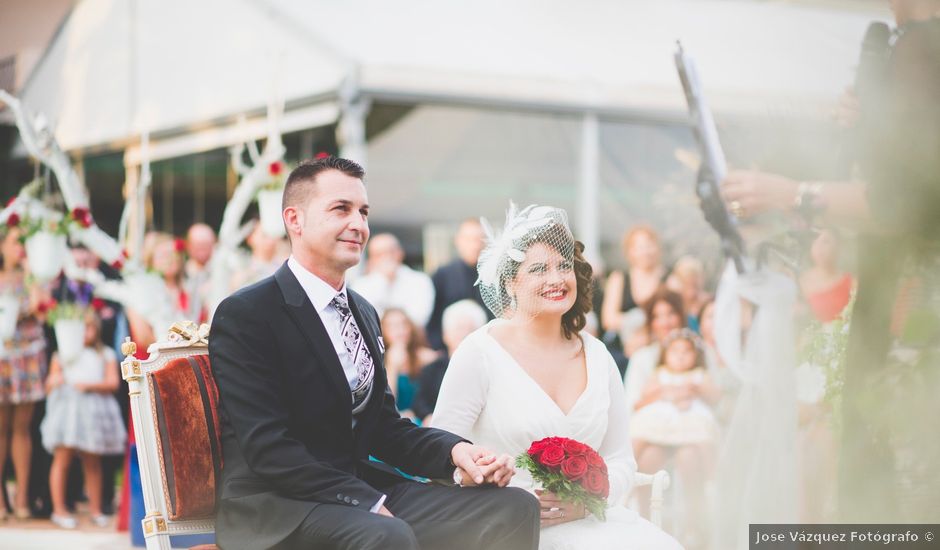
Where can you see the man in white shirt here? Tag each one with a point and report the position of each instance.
(389, 283)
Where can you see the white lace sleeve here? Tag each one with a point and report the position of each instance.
(616, 449)
(463, 390)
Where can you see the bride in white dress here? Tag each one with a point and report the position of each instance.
(531, 374)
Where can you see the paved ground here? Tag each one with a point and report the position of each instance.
(43, 535)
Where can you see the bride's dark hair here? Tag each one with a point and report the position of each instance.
(574, 320)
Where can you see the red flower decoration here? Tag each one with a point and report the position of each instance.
(97, 304)
(574, 467)
(321, 155)
(179, 245)
(552, 456)
(82, 215)
(275, 169)
(570, 469)
(13, 220)
(47, 305)
(117, 264)
(596, 482)
(124, 254)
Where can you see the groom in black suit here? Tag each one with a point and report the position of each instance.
(298, 359)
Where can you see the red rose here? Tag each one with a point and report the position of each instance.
(125, 254)
(179, 245)
(117, 264)
(82, 215)
(13, 220)
(596, 483)
(97, 304)
(321, 155)
(552, 456)
(47, 305)
(574, 467)
(275, 169)
(594, 460)
(575, 448)
(535, 450)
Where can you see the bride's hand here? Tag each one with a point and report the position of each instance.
(495, 470)
(556, 511)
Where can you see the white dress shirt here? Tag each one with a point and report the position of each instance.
(410, 290)
(321, 295)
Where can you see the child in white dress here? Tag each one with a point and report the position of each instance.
(674, 409)
(674, 417)
(83, 417)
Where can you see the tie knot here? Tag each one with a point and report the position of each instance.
(341, 303)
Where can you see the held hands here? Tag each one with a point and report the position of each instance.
(478, 466)
(556, 511)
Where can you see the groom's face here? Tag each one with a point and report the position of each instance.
(334, 225)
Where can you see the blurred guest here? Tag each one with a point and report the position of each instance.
(405, 355)
(82, 419)
(688, 280)
(163, 255)
(22, 369)
(674, 418)
(460, 319)
(455, 281)
(263, 262)
(200, 243)
(825, 286)
(664, 314)
(627, 291)
(389, 283)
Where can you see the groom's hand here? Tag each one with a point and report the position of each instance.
(465, 456)
(483, 466)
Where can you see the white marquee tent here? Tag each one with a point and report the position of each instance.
(543, 76)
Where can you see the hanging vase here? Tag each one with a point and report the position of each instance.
(45, 252)
(269, 207)
(70, 338)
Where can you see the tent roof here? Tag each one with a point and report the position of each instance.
(177, 66)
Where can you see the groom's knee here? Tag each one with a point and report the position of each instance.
(522, 504)
(392, 533)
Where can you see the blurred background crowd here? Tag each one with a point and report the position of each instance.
(453, 111)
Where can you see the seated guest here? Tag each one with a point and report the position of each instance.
(460, 319)
(405, 355)
(389, 283)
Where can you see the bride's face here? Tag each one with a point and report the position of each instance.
(545, 283)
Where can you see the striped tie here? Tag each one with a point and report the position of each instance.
(356, 348)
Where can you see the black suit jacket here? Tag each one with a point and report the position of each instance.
(287, 439)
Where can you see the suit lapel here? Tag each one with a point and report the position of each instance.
(308, 321)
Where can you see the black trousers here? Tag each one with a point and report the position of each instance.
(427, 517)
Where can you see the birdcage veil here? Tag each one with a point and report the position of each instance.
(536, 236)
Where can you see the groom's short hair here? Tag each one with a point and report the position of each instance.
(301, 181)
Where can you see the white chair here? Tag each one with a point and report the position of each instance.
(179, 460)
(660, 482)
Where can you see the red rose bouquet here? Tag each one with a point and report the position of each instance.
(571, 470)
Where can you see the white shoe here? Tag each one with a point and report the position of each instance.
(101, 520)
(65, 522)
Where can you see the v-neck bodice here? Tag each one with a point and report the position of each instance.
(532, 383)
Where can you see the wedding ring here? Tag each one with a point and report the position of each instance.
(736, 209)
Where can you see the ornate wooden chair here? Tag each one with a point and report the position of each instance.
(174, 403)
